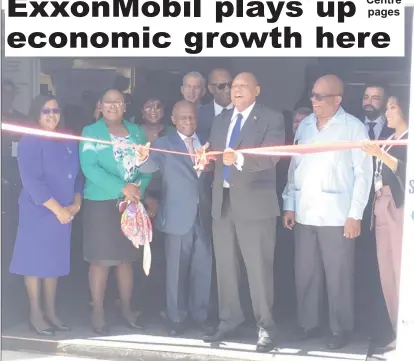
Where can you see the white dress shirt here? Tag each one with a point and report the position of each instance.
(239, 158)
(324, 189)
(218, 108)
(379, 124)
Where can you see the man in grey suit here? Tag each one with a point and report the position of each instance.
(245, 209)
(184, 216)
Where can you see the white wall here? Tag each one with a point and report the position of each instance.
(25, 74)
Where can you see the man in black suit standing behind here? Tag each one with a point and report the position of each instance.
(219, 84)
(369, 299)
(245, 209)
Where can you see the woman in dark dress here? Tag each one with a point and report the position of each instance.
(111, 175)
(48, 202)
(389, 180)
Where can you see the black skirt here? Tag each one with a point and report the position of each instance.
(103, 240)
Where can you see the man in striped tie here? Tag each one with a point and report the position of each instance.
(245, 209)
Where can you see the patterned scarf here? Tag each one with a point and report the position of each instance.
(136, 226)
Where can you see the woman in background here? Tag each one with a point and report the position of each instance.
(389, 181)
(153, 298)
(49, 200)
(111, 176)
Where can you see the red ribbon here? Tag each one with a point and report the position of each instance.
(206, 156)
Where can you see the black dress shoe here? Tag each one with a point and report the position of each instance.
(302, 334)
(46, 332)
(61, 327)
(101, 331)
(336, 341)
(217, 336)
(176, 329)
(133, 325)
(265, 343)
(207, 328)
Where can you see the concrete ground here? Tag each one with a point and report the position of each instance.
(31, 356)
(124, 344)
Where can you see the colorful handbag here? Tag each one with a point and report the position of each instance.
(137, 227)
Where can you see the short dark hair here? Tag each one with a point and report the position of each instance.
(379, 84)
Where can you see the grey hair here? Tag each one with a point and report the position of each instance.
(303, 110)
(195, 74)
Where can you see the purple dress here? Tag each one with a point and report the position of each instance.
(48, 168)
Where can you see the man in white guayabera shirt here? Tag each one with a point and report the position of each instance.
(324, 201)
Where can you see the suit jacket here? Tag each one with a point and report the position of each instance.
(184, 195)
(253, 190)
(205, 119)
(386, 133)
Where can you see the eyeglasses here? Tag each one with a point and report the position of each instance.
(222, 86)
(116, 103)
(47, 111)
(152, 106)
(319, 97)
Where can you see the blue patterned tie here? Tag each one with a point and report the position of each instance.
(233, 139)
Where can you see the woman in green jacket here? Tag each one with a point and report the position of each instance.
(111, 176)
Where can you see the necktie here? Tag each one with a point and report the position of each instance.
(233, 138)
(190, 147)
(371, 132)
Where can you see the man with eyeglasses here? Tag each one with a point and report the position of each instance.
(324, 201)
(219, 84)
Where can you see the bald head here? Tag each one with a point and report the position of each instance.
(244, 91)
(332, 83)
(218, 73)
(183, 104)
(184, 117)
(326, 96)
(247, 77)
(219, 83)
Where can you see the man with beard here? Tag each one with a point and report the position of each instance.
(373, 105)
(370, 305)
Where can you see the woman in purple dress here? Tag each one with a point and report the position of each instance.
(48, 202)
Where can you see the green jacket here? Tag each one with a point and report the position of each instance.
(103, 179)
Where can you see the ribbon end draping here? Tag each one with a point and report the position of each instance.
(147, 258)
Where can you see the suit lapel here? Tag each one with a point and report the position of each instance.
(179, 146)
(225, 129)
(249, 125)
(212, 112)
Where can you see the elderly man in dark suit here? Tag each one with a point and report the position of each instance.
(219, 84)
(184, 215)
(245, 209)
